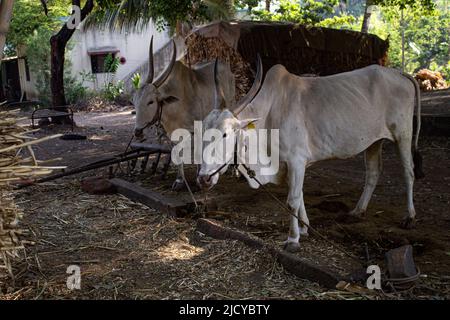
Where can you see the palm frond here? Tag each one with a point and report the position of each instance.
(134, 15)
(219, 9)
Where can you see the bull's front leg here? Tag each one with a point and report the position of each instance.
(296, 175)
(179, 184)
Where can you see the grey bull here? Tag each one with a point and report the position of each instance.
(323, 118)
(178, 96)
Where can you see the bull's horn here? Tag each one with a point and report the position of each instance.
(253, 90)
(151, 66)
(219, 96)
(160, 80)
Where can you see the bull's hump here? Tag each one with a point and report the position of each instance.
(276, 70)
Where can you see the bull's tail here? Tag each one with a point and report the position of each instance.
(417, 157)
(418, 169)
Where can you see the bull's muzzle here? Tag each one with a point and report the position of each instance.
(204, 181)
(139, 133)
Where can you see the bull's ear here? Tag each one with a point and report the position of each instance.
(170, 99)
(248, 123)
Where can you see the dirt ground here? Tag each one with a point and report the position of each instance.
(128, 251)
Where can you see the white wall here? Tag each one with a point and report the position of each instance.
(132, 46)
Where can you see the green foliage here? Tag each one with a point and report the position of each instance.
(28, 16)
(445, 70)
(74, 89)
(427, 33)
(134, 15)
(311, 12)
(38, 57)
(112, 90)
(427, 37)
(111, 64)
(246, 4)
(167, 13)
(343, 21)
(402, 4)
(136, 80)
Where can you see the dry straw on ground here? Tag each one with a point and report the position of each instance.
(17, 163)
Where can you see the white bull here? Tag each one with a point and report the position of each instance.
(178, 97)
(323, 118)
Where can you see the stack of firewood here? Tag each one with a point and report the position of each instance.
(203, 49)
(17, 163)
(430, 80)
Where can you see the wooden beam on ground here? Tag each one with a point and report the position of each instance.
(173, 206)
(298, 266)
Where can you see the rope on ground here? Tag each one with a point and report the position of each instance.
(252, 175)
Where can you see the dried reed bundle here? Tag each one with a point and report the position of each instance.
(15, 166)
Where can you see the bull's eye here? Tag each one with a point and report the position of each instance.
(150, 102)
(224, 135)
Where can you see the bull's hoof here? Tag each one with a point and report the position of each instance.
(291, 247)
(358, 213)
(178, 185)
(304, 233)
(408, 223)
(181, 186)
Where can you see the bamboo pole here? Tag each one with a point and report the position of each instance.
(29, 143)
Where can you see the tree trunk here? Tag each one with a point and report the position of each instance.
(58, 44)
(268, 3)
(366, 19)
(6, 9)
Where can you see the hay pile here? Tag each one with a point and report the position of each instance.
(203, 49)
(430, 80)
(14, 167)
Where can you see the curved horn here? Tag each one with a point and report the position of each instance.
(159, 81)
(253, 90)
(151, 66)
(219, 96)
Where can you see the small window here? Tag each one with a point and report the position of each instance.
(98, 62)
